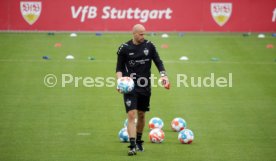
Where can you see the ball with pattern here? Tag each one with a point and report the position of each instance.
(126, 122)
(123, 135)
(178, 124)
(186, 136)
(156, 122)
(157, 135)
(125, 84)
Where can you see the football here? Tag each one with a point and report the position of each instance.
(125, 84)
(178, 124)
(157, 135)
(186, 136)
(156, 122)
(123, 135)
(126, 122)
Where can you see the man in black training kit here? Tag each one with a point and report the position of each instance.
(134, 60)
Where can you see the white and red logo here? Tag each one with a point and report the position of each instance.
(30, 11)
(274, 15)
(221, 12)
(108, 12)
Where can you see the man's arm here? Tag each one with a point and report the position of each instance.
(157, 61)
(120, 61)
(160, 66)
(120, 64)
(119, 74)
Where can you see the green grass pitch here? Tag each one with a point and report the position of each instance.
(38, 123)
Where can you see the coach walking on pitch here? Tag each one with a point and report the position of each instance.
(134, 59)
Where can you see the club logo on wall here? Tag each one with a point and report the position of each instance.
(30, 11)
(221, 12)
(274, 15)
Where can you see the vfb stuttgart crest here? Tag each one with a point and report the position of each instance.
(128, 102)
(30, 11)
(146, 51)
(221, 12)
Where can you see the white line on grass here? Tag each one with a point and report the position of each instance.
(166, 61)
(83, 133)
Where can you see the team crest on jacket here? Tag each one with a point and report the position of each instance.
(146, 51)
(131, 62)
(128, 102)
(221, 12)
(30, 11)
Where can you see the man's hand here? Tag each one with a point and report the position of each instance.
(118, 75)
(165, 82)
(117, 87)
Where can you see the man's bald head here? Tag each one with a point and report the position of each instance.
(138, 33)
(138, 28)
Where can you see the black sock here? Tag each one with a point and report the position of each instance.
(139, 136)
(132, 142)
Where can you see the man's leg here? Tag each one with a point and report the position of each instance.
(143, 105)
(140, 127)
(131, 128)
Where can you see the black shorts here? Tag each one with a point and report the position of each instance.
(137, 101)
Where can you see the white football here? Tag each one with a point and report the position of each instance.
(125, 84)
(186, 136)
(178, 124)
(156, 122)
(123, 135)
(126, 122)
(157, 135)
